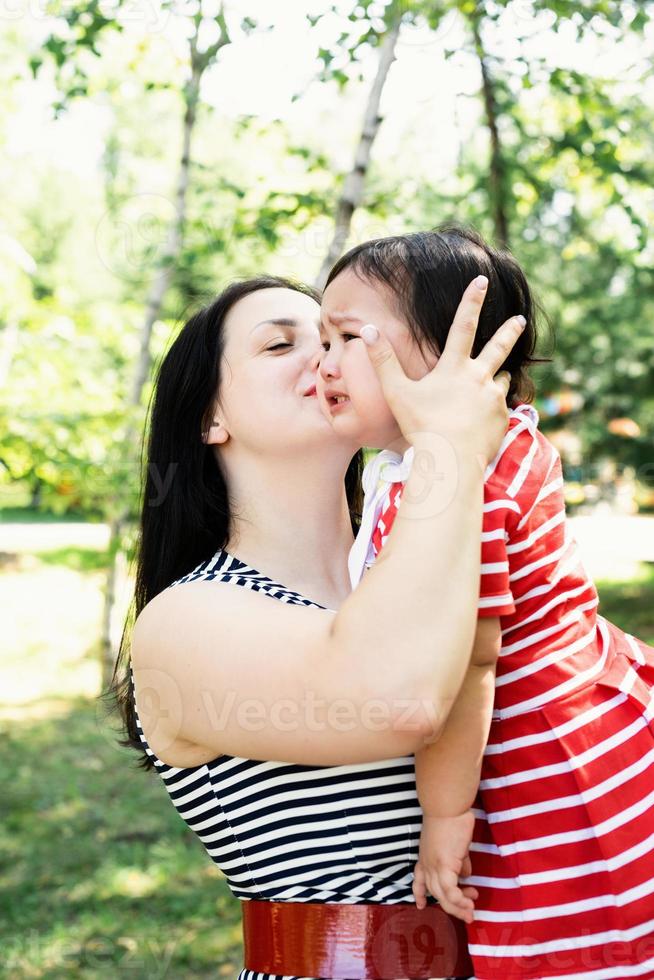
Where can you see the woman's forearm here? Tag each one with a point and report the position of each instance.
(410, 625)
(419, 601)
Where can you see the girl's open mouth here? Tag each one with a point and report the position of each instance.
(337, 402)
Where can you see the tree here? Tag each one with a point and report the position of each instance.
(199, 62)
(354, 182)
(66, 51)
(497, 183)
(566, 180)
(373, 30)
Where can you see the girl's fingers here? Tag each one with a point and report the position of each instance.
(419, 887)
(498, 348)
(451, 890)
(454, 908)
(456, 898)
(461, 337)
(454, 901)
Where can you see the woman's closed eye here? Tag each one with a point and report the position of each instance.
(279, 346)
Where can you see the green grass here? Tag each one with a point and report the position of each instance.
(630, 605)
(99, 876)
(28, 515)
(76, 558)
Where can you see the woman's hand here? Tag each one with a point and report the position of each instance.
(444, 845)
(460, 399)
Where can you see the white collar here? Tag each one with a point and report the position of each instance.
(380, 472)
(388, 467)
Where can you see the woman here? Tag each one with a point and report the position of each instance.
(326, 684)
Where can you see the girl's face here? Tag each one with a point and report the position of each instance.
(267, 402)
(349, 392)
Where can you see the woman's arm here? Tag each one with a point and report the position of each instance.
(235, 672)
(222, 670)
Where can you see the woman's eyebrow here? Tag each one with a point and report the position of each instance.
(281, 321)
(278, 321)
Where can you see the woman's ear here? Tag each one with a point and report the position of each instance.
(216, 434)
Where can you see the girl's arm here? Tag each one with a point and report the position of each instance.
(447, 778)
(447, 771)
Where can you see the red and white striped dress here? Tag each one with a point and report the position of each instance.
(563, 849)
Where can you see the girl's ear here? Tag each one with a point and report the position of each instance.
(216, 434)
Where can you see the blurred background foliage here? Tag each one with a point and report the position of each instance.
(154, 150)
(549, 149)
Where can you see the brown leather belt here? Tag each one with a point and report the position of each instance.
(357, 942)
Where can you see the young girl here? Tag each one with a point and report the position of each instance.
(539, 795)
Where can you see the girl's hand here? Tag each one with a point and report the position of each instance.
(460, 398)
(444, 845)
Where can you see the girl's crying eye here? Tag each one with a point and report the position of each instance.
(343, 336)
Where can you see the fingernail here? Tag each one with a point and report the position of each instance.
(521, 320)
(369, 334)
(481, 282)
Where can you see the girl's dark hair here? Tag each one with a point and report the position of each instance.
(190, 521)
(428, 272)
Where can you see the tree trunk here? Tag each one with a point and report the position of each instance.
(9, 340)
(497, 169)
(107, 660)
(173, 244)
(156, 296)
(36, 493)
(354, 184)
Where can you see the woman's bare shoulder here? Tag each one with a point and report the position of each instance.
(237, 672)
(208, 603)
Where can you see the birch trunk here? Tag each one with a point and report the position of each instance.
(354, 184)
(497, 169)
(199, 63)
(9, 340)
(173, 244)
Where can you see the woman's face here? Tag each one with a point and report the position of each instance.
(267, 401)
(348, 303)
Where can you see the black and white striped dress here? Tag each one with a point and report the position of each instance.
(285, 832)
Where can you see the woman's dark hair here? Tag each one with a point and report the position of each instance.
(428, 272)
(191, 520)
